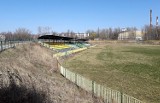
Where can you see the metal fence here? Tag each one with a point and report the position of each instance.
(108, 95)
(9, 44)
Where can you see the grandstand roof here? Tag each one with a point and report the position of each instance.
(82, 39)
(54, 37)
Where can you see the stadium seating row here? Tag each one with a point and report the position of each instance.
(64, 47)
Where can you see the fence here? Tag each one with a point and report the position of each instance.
(108, 95)
(9, 44)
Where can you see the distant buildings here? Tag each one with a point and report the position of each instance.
(82, 35)
(131, 35)
(75, 35)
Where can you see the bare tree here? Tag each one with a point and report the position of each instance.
(116, 33)
(151, 34)
(44, 30)
(102, 34)
(8, 35)
(92, 34)
(22, 34)
(108, 33)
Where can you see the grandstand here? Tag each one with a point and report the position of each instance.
(63, 44)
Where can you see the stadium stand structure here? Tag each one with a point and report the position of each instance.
(63, 44)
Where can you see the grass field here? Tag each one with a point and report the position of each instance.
(131, 68)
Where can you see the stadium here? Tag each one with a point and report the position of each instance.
(115, 71)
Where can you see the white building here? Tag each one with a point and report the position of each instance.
(82, 35)
(131, 35)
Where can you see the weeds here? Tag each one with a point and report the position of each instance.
(21, 93)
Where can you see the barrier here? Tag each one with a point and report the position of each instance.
(107, 94)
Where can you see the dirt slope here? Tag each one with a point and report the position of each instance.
(28, 75)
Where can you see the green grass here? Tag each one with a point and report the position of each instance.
(133, 69)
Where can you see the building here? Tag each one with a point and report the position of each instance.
(131, 35)
(82, 35)
(75, 35)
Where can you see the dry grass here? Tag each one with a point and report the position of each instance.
(130, 68)
(34, 73)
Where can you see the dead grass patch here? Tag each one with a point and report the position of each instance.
(35, 72)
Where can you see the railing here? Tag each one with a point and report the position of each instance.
(9, 44)
(107, 94)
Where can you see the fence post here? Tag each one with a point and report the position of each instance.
(113, 101)
(14, 44)
(76, 78)
(5, 44)
(121, 97)
(9, 43)
(1, 46)
(92, 88)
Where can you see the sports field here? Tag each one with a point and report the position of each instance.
(131, 68)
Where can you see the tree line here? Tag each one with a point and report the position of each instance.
(149, 33)
(20, 34)
(108, 33)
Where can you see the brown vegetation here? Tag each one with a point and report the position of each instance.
(28, 74)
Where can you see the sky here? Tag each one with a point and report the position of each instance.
(75, 15)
